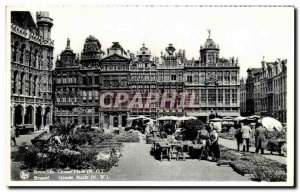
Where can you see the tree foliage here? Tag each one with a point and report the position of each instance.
(191, 128)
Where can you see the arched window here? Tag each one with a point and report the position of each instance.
(84, 80)
(15, 82)
(35, 90)
(15, 51)
(29, 56)
(30, 84)
(22, 60)
(36, 59)
(49, 83)
(22, 87)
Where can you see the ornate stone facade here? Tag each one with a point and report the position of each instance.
(213, 81)
(143, 80)
(31, 69)
(171, 79)
(266, 90)
(114, 78)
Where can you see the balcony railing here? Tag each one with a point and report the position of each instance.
(66, 113)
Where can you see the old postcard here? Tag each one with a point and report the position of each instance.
(150, 95)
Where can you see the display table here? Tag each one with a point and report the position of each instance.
(164, 149)
(196, 150)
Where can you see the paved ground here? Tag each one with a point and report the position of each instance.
(136, 163)
(25, 138)
(231, 144)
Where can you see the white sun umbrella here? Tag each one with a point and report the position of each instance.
(192, 118)
(239, 118)
(270, 123)
(254, 117)
(183, 118)
(163, 118)
(142, 117)
(173, 118)
(227, 118)
(216, 119)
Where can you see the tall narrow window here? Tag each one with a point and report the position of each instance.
(22, 54)
(227, 77)
(211, 96)
(84, 96)
(210, 57)
(234, 95)
(96, 94)
(15, 51)
(84, 80)
(202, 77)
(96, 79)
(173, 77)
(220, 77)
(90, 96)
(203, 95)
(220, 96)
(234, 77)
(90, 80)
(189, 77)
(196, 77)
(227, 96)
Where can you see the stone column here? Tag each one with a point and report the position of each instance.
(224, 96)
(43, 114)
(217, 96)
(23, 113)
(111, 118)
(34, 117)
(17, 88)
(207, 97)
(51, 116)
(119, 120)
(93, 115)
(230, 97)
(12, 115)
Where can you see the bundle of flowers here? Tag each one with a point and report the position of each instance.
(127, 137)
(254, 164)
(230, 155)
(267, 173)
(243, 167)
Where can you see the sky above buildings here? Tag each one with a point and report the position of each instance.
(249, 33)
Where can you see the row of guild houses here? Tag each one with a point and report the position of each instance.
(264, 91)
(81, 80)
(71, 91)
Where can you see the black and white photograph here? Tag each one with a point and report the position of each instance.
(150, 95)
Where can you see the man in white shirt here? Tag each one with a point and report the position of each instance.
(246, 132)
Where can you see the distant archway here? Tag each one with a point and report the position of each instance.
(115, 121)
(28, 115)
(47, 116)
(38, 117)
(18, 115)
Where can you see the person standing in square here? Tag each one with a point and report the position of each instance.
(246, 133)
(13, 135)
